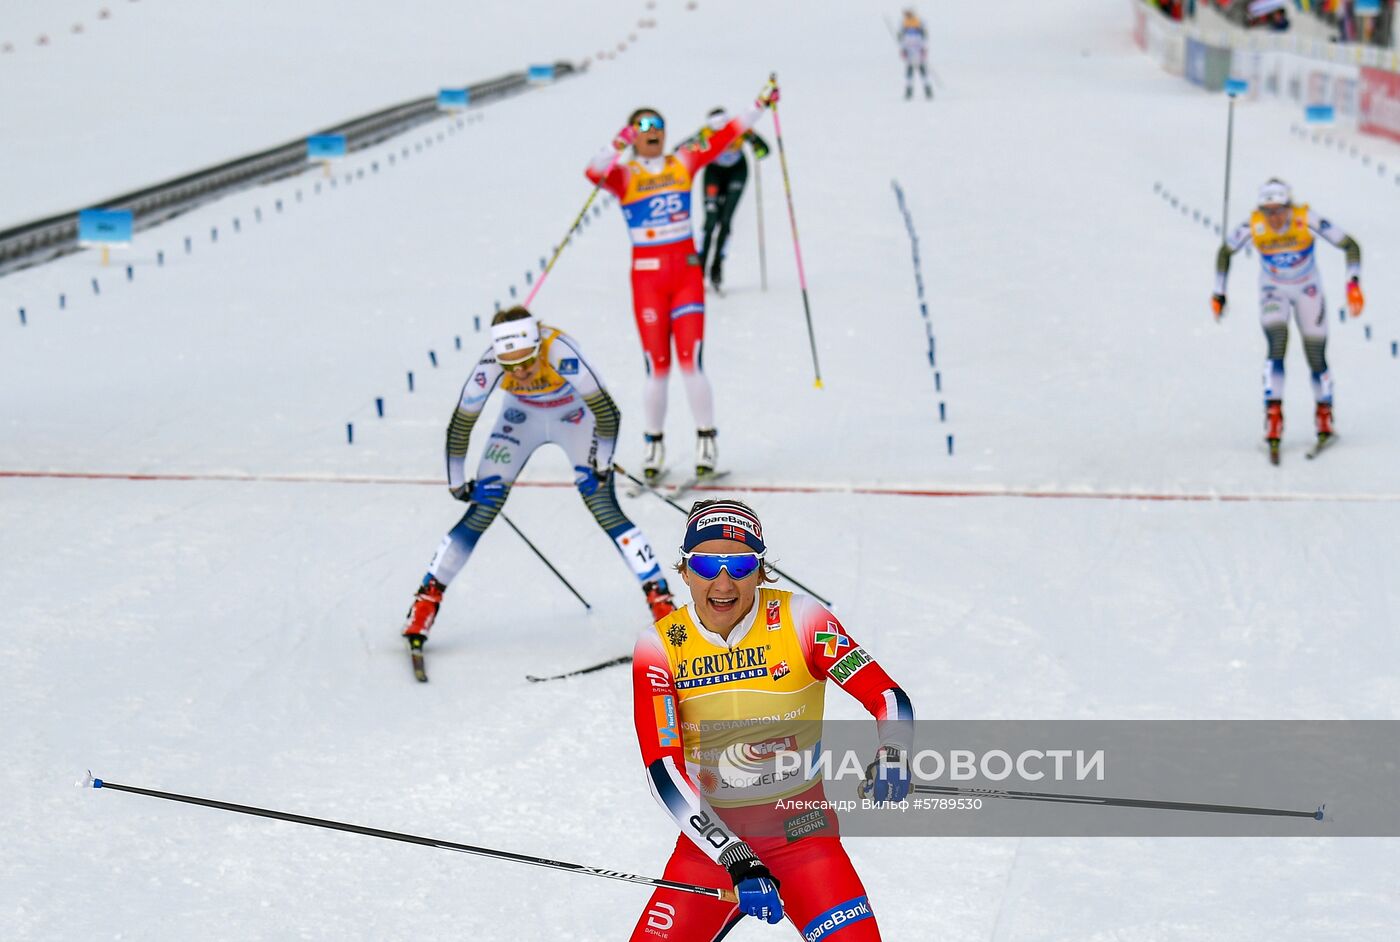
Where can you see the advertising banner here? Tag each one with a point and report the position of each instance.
(1379, 103)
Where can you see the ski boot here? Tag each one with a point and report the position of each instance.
(653, 458)
(659, 598)
(1324, 421)
(928, 92)
(1273, 428)
(706, 452)
(717, 275)
(423, 612)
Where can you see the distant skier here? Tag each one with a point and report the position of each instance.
(668, 282)
(723, 183)
(719, 688)
(1289, 281)
(552, 395)
(913, 49)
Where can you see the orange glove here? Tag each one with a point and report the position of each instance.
(1217, 305)
(1356, 301)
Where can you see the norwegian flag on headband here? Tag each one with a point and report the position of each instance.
(723, 520)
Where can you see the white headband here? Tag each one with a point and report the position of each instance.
(514, 336)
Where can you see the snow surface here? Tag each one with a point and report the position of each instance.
(229, 626)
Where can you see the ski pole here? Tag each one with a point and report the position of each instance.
(568, 236)
(728, 896)
(590, 669)
(1229, 153)
(797, 246)
(758, 198)
(1114, 802)
(546, 561)
(642, 484)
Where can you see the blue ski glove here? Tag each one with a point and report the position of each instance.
(488, 491)
(588, 480)
(758, 890)
(887, 778)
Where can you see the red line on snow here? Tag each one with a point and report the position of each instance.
(862, 489)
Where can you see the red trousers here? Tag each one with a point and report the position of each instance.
(822, 895)
(668, 298)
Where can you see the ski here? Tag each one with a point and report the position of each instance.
(689, 484)
(1322, 444)
(637, 488)
(625, 659)
(415, 654)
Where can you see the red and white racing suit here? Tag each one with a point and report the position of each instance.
(668, 284)
(711, 715)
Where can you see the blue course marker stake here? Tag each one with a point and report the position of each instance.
(1342, 314)
(457, 341)
(349, 433)
(410, 381)
(942, 412)
(498, 310)
(937, 381)
(96, 288)
(379, 405)
(278, 205)
(931, 361)
(237, 226)
(213, 233)
(129, 273)
(189, 245)
(432, 357)
(257, 214)
(22, 319)
(543, 264)
(950, 445)
(62, 300)
(529, 277)
(512, 291)
(1368, 331)
(1394, 348)
(923, 310)
(476, 321)
(160, 257)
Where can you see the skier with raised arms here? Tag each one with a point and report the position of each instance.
(723, 184)
(552, 395)
(1290, 283)
(708, 682)
(668, 284)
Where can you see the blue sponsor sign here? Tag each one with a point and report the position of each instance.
(325, 146)
(454, 97)
(541, 73)
(515, 415)
(1320, 114)
(1234, 86)
(568, 366)
(1367, 7)
(105, 225)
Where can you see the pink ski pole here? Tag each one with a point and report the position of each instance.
(797, 245)
(578, 220)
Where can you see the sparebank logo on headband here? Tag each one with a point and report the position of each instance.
(728, 520)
